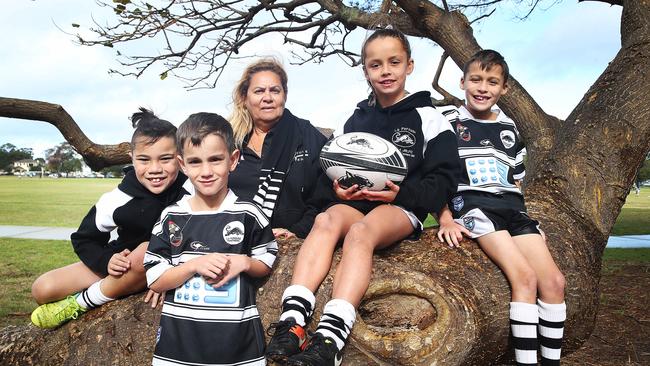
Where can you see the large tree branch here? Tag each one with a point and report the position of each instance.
(96, 156)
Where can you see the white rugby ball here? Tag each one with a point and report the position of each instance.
(364, 159)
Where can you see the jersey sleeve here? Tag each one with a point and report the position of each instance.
(90, 241)
(158, 259)
(520, 170)
(263, 245)
(437, 179)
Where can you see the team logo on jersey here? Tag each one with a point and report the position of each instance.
(300, 155)
(458, 203)
(486, 142)
(468, 222)
(463, 132)
(198, 246)
(508, 138)
(175, 233)
(403, 139)
(233, 233)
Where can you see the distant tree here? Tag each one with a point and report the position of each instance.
(115, 171)
(9, 154)
(62, 158)
(644, 172)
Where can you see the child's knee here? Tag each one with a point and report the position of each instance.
(42, 290)
(525, 281)
(357, 235)
(323, 221)
(554, 286)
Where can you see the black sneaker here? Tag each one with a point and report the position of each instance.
(288, 338)
(320, 351)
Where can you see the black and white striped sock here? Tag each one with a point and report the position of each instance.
(523, 323)
(298, 303)
(93, 296)
(551, 331)
(337, 321)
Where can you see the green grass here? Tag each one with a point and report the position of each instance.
(59, 202)
(627, 254)
(634, 218)
(21, 262)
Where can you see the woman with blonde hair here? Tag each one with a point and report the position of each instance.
(279, 165)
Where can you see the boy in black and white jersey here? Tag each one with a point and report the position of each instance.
(204, 252)
(489, 206)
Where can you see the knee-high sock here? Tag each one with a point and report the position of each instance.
(337, 321)
(298, 303)
(551, 331)
(523, 323)
(93, 296)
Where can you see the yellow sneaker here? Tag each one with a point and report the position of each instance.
(52, 315)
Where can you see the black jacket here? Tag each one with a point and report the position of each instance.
(293, 159)
(426, 140)
(132, 210)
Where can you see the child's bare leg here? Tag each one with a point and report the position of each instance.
(380, 228)
(524, 317)
(58, 283)
(551, 306)
(315, 256)
(550, 281)
(131, 281)
(503, 251)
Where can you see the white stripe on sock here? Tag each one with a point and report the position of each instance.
(556, 333)
(523, 356)
(550, 353)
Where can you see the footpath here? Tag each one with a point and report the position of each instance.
(63, 233)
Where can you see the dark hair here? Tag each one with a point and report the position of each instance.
(386, 33)
(199, 125)
(487, 59)
(149, 126)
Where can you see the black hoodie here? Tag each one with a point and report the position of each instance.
(426, 140)
(131, 209)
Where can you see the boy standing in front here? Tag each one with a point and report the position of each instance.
(204, 252)
(489, 207)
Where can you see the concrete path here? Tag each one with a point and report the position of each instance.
(62, 233)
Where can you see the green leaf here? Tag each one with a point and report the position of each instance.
(108, 44)
(75, 25)
(163, 76)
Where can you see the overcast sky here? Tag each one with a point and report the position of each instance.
(556, 55)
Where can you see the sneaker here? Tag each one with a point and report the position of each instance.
(321, 351)
(52, 315)
(288, 338)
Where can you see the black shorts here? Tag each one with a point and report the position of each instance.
(484, 213)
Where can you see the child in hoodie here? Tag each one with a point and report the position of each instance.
(113, 268)
(368, 220)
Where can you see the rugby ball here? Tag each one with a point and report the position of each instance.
(364, 159)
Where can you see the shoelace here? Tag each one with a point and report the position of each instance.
(278, 327)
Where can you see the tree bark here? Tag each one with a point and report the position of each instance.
(428, 304)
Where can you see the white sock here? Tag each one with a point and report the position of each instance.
(298, 303)
(337, 321)
(92, 297)
(551, 331)
(523, 323)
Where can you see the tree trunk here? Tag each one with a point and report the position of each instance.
(428, 304)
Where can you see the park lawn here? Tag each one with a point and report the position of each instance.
(21, 262)
(634, 218)
(61, 202)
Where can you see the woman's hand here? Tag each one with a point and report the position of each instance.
(382, 196)
(119, 263)
(353, 193)
(281, 233)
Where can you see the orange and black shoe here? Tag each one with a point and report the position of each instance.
(287, 339)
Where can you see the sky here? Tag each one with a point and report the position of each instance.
(557, 54)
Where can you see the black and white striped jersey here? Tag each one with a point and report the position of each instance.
(491, 152)
(201, 325)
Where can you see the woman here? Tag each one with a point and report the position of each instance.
(279, 165)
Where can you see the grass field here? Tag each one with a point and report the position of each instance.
(634, 218)
(59, 202)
